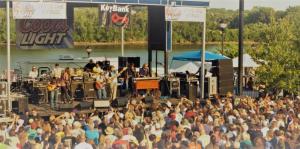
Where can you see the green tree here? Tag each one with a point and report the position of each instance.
(279, 57)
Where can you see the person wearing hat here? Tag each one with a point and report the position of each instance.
(33, 74)
(109, 134)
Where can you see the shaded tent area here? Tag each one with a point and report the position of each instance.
(248, 62)
(196, 56)
(191, 61)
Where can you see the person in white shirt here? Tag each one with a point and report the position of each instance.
(83, 144)
(33, 74)
(112, 76)
(56, 72)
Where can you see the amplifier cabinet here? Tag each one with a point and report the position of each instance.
(77, 90)
(40, 94)
(89, 90)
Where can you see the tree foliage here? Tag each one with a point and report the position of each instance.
(279, 57)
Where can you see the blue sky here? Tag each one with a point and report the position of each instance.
(234, 4)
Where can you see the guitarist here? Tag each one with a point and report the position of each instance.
(100, 86)
(52, 88)
(112, 80)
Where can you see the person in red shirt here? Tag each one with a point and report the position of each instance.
(120, 143)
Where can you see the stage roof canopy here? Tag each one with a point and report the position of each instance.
(194, 3)
(196, 56)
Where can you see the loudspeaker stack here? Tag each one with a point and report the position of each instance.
(223, 69)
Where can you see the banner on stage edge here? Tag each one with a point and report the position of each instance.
(39, 10)
(185, 14)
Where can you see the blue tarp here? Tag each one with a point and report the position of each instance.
(196, 56)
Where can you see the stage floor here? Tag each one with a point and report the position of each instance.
(44, 109)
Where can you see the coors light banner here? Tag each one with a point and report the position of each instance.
(43, 33)
(115, 14)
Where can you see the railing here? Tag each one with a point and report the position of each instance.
(193, 3)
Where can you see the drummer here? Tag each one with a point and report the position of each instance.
(33, 74)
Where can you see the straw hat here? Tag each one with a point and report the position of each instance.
(109, 131)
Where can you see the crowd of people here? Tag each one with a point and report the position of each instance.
(226, 123)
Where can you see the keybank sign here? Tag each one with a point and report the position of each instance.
(114, 8)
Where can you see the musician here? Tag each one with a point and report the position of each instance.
(53, 93)
(89, 66)
(113, 81)
(33, 74)
(77, 72)
(56, 72)
(97, 69)
(144, 71)
(100, 86)
(65, 85)
(130, 75)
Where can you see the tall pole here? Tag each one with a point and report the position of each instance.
(8, 53)
(122, 42)
(222, 50)
(241, 47)
(156, 63)
(203, 60)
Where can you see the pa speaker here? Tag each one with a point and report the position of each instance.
(89, 90)
(156, 28)
(119, 102)
(223, 70)
(85, 105)
(122, 61)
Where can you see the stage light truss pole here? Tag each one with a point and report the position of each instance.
(203, 58)
(122, 42)
(8, 53)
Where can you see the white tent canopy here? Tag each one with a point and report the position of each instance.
(247, 61)
(192, 67)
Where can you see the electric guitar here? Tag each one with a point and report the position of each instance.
(110, 79)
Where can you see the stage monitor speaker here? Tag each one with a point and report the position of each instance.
(148, 99)
(156, 28)
(89, 90)
(85, 105)
(67, 106)
(77, 90)
(101, 103)
(223, 70)
(119, 102)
